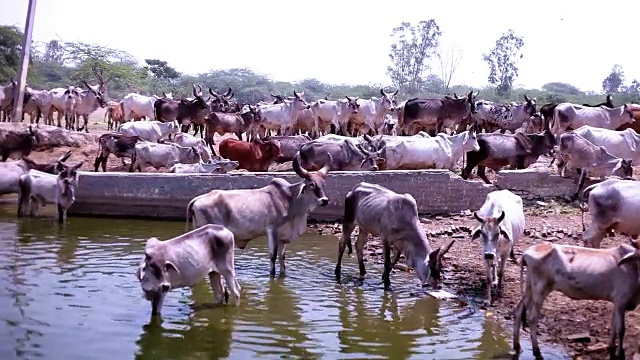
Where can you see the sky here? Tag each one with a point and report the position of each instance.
(346, 42)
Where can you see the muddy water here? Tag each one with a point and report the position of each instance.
(70, 293)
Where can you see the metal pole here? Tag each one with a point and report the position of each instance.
(24, 62)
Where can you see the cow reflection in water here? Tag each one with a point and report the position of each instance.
(389, 324)
(204, 331)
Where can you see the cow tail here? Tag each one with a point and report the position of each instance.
(189, 212)
(584, 207)
(24, 194)
(156, 111)
(523, 263)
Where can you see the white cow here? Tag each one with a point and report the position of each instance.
(221, 166)
(624, 144)
(327, 112)
(162, 155)
(187, 140)
(439, 152)
(371, 112)
(140, 105)
(571, 115)
(149, 130)
(502, 223)
(282, 116)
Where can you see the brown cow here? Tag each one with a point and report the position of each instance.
(256, 155)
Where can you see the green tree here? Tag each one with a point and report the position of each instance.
(103, 64)
(161, 70)
(412, 48)
(10, 51)
(613, 83)
(502, 61)
(561, 88)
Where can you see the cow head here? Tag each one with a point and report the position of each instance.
(278, 99)
(627, 116)
(493, 235)
(372, 160)
(96, 93)
(198, 101)
(388, 100)
(470, 140)
(71, 94)
(313, 183)
(155, 271)
(266, 149)
(530, 106)
(353, 104)
(33, 137)
(220, 102)
(623, 168)
(67, 181)
(168, 95)
(299, 102)
(430, 271)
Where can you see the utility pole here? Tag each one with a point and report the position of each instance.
(24, 62)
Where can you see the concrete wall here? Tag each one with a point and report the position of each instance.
(167, 195)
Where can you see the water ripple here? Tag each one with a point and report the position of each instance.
(63, 291)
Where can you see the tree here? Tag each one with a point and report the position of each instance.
(413, 47)
(613, 82)
(161, 70)
(103, 64)
(502, 61)
(448, 59)
(10, 51)
(561, 88)
(54, 52)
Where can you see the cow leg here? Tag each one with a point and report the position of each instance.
(539, 292)
(395, 259)
(520, 317)
(360, 242)
(482, 174)
(281, 256)
(215, 281)
(61, 213)
(503, 262)
(33, 207)
(232, 284)
(86, 123)
(617, 332)
(348, 225)
(96, 164)
(386, 252)
(490, 269)
(583, 175)
(272, 239)
(156, 303)
(472, 160)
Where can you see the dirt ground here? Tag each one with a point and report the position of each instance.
(464, 269)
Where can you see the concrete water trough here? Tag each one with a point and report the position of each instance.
(165, 195)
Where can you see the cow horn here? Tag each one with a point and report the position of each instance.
(382, 92)
(275, 96)
(64, 157)
(302, 172)
(295, 94)
(195, 92)
(228, 93)
(213, 93)
(446, 249)
(325, 169)
(526, 98)
(396, 92)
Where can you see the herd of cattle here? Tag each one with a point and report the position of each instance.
(355, 134)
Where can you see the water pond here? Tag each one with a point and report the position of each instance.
(70, 293)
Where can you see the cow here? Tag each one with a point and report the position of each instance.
(114, 115)
(149, 130)
(87, 102)
(256, 155)
(216, 166)
(278, 210)
(440, 152)
(547, 110)
(623, 144)
(501, 219)
(186, 140)
(336, 113)
(346, 156)
(117, 144)
(570, 116)
(438, 113)
(185, 260)
(371, 113)
(394, 218)
(518, 150)
(162, 155)
(289, 145)
(10, 172)
(22, 143)
(580, 274)
(40, 188)
(134, 103)
(494, 116)
(71, 97)
(282, 116)
(193, 111)
(38, 104)
(589, 159)
(7, 93)
(613, 205)
(224, 123)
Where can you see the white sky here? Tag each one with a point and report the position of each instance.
(347, 41)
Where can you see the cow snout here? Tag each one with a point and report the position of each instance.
(489, 256)
(323, 201)
(374, 168)
(165, 287)
(355, 111)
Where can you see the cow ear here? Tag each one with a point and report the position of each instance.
(634, 256)
(503, 232)
(170, 265)
(475, 232)
(301, 190)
